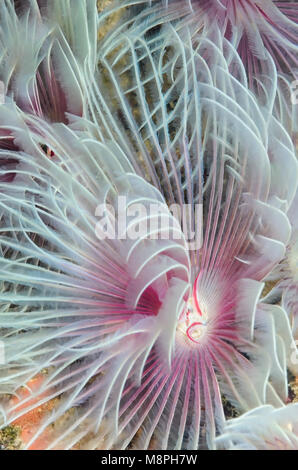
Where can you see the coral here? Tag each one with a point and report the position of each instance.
(9, 438)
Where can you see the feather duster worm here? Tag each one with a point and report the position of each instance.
(285, 275)
(43, 62)
(253, 26)
(264, 428)
(139, 338)
(168, 118)
(47, 50)
(257, 29)
(84, 308)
